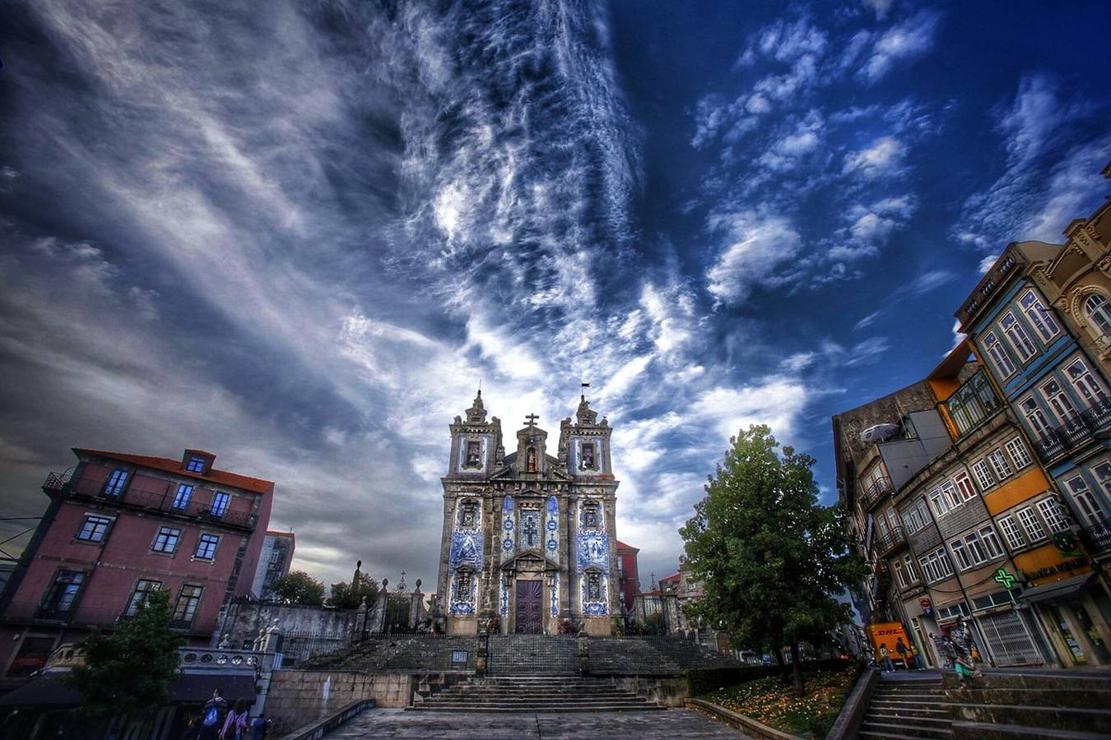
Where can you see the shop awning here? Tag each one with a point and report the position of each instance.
(1056, 590)
(48, 690)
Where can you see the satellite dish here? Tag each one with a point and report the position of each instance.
(879, 433)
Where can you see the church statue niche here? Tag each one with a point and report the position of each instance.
(526, 511)
(474, 454)
(468, 515)
(588, 462)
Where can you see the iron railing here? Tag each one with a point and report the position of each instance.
(1098, 533)
(1075, 431)
(875, 493)
(891, 541)
(160, 499)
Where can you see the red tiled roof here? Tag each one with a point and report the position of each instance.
(274, 533)
(621, 545)
(168, 465)
(674, 577)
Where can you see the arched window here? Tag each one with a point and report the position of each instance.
(1098, 312)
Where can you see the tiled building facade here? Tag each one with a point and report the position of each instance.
(1001, 519)
(120, 526)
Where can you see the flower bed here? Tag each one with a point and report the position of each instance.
(774, 703)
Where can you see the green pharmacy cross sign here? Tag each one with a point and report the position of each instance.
(1005, 578)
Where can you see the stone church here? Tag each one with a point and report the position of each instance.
(529, 536)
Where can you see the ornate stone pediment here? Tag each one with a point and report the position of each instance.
(530, 561)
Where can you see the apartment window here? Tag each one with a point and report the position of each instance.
(62, 595)
(1102, 472)
(998, 354)
(1000, 465)
(1011, 532)
(1017, 337)
(938, 503)
(1035, 417)
(1085, 384)
(116, 482)
(220, 503)
(972, 403)
(206, 546)
(139, 597)
(983, 474)
(1039, 317)
(1085, 501)
(1019, 456)
(94, 529)
(187, 602)
(195, 465)
(965, 488)
(1058, 401)
(1098, 312)
(964, 560)
(908, 561)
(1054, 517)
(901, 575)
(1030, 523)
(166, 540)
(976, 548)
(916, 516)
(991, 542)
(181, 498)
(936, 565)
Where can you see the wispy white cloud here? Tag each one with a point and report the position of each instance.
(759, 250)
(902, 42)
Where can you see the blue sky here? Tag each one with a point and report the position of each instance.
(300, 238)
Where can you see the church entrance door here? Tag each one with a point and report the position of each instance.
(530, 597)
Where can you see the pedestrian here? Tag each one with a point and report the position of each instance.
(259, 727)
(885, 660)
(950, 650)
(235, 726)
(213, 715)
(965, 671)
(904, 653)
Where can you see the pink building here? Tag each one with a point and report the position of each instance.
(120, 526)
(629, 580)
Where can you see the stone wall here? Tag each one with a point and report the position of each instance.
(305, 630)
(297, 698)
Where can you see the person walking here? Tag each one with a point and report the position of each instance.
(235, 726)
(213, 715)
(904, 653)
(886, 665)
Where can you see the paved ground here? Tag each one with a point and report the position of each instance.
(672, 724)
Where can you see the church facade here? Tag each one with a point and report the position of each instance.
(529, 537)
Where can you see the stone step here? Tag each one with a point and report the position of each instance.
(523, 701)
(910, 711)
(885, 735)
(902, 729)
(913, 720)
(425, 707)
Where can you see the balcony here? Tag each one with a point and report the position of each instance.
(876, 493)
(160, 500)
(1093, 421)
(888, 543)
(1098, 535)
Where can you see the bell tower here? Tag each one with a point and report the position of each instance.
(476, 444)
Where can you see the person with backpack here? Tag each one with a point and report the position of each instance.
(886, 666)
(212, 716)
(904, 654)
(235, 726)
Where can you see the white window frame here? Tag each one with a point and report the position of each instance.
(1081, 493)
(1063, 416)
(1097, 310)
(983, 474)
(908, 561)
(1012, 532)
(1000, 465)
(938, 502)
(1086, 384)
(961, 555)
(1032, 528)
(976, 548)
(991, 542)
(1019, 456)
(965, 489)
(1035, 416)
(997, 352)
(1045, 326)
(1017, 337)
(1054, 516)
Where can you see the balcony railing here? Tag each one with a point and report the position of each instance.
(875, 493)
(888, 543)
(160, 500)
(1075, 431)
(1098, 534)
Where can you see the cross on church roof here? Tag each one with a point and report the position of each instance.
(531, 419)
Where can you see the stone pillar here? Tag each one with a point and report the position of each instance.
(568, 583)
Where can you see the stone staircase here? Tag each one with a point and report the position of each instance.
(912, 708)
(533, 655)
(535, 693)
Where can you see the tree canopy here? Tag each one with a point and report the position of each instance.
(129, 672)
(769, 556)
(298, 587)
(350, 595)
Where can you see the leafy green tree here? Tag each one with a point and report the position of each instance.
(770, 558)
(298, 587)
(129, 672)
(350, 595)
